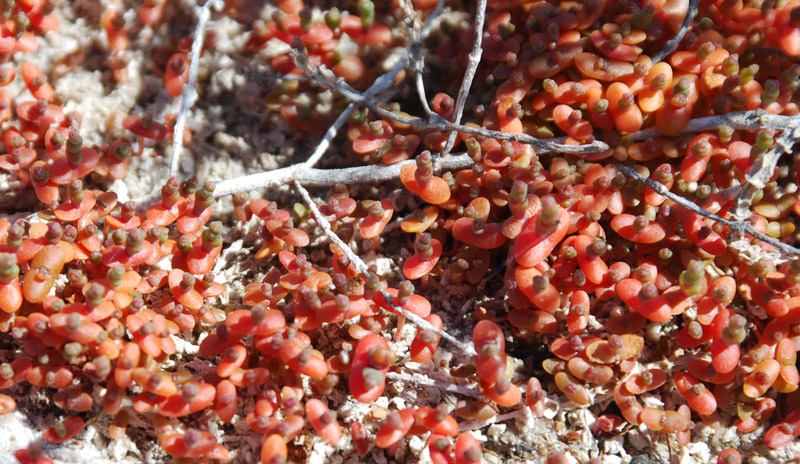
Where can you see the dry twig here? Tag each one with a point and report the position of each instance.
(757, 178)
(189, 92)
(741, 226)
(741, 120)
(673, 43)
(329, 177)
(362, 267)
(479, 424)
(473, 60)
(416, 57)
(327, 78)
(424, 380)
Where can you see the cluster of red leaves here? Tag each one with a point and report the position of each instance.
(597, 258)
(113, 324)
(612, 276)
(322, 40)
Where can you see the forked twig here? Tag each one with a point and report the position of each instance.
(757, 178)
(278, 177)
(383, 82)
(326, 78)
(416, 57)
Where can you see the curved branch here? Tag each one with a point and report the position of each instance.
(673, 43)
(189, 94)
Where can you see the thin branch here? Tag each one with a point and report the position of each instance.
(757, 178)
(326, 78)
(469, 74)
(673, 43)
(362, 267)
(330, 134)
(281, 175)
(417, 58)
(742, 226)
(189, 94)
(420, 379)
(437, 11)
(763, 167)
(416, 48)
(381, 83)
(329, 177)
(423, 98)
(740, 120)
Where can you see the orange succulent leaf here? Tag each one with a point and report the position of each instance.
(362, 386)
(697, 396)
(416, 304)
(199, 261)
(547, 300)
(532, 246)
(189, 298)
(10, 295)
(180, 446)
(371, 226)
(416, 225)
(623, 224)
(487, 236)
(63, 430)
(656, 309)
(389, 434)
(436, 191)
(617, 348)
(46, 265)
(417, 267)
(621, 51)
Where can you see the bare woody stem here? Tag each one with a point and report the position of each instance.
(328, 79)
(740, 120)
(469, 74)
(329, 177)
(189, 94)
(476, 424)
(421, 379)
(741, 226)
(417, 57)
(673, 43)
(362, 267)
(756, 179)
